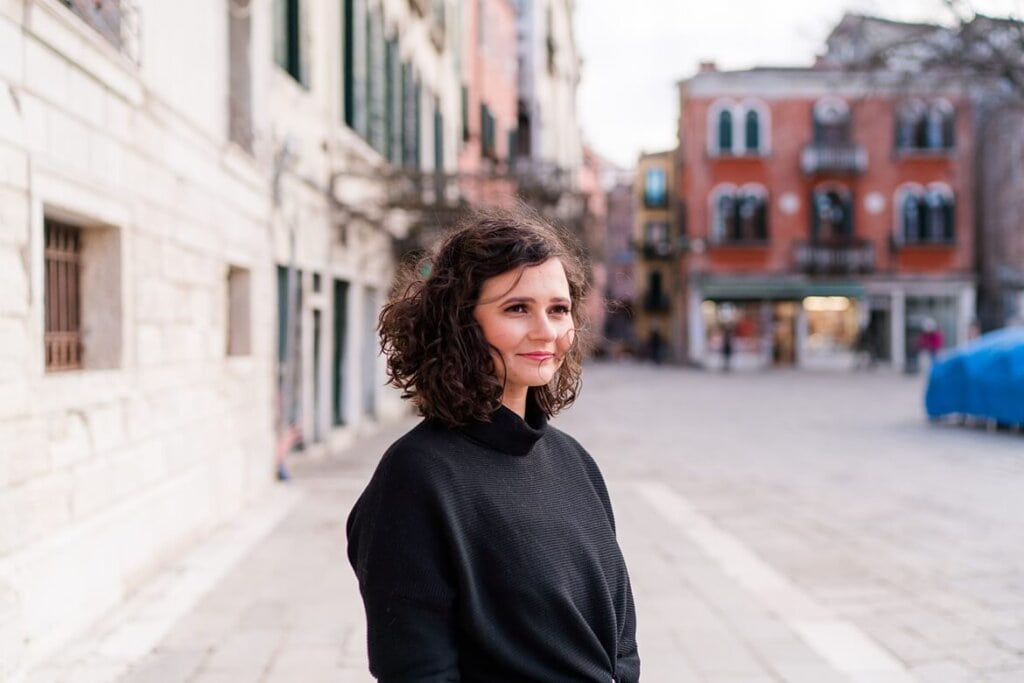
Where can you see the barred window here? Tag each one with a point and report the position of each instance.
(63, 337)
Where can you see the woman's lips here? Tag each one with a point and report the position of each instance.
(538, 356)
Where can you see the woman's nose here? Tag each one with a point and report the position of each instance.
(543, 328)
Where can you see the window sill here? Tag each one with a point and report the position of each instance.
(925, 153)
(744, 156)
(740, 244)
(925, 245)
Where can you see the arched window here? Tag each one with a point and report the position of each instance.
(752, 132)
(752, 213)
(921, 126)
(831, 214)
(911, 214)
(831, 121)
(725, 132)
(939, 125)
(724, 228)
(939, 212)
(739, 215)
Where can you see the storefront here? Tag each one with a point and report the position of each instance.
(774, 323)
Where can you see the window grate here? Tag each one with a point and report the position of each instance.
(62, 337)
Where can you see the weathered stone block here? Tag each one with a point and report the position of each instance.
(13, 283)
(69, 141)
(25, 452)
(11, 50)
(70, 438)
(88, 97)
(35, 116)
(106, 427)
(34, 510)
(14, 350)
(47, 73)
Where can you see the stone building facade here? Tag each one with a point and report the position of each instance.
(194, 244)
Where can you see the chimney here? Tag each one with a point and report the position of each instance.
(707, 67)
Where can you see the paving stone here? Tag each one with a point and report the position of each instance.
(906, 534)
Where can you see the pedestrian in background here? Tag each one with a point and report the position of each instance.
(727, 348)
(484, 544)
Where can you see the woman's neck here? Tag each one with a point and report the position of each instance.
(516, 401)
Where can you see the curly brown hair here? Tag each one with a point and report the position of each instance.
(435, 349)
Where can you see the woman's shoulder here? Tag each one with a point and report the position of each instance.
(422, 450)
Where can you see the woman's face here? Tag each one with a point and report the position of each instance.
(526, 317)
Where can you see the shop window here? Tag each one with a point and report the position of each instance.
(832, 324)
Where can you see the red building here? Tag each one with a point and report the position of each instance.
(489, 102)
(826, 211)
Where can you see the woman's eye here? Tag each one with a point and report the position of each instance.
(560, 310)
(516, 308)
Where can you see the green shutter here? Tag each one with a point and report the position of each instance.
(348, 66)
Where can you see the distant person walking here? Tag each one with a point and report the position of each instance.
(485, 544)
(727, 348)
(930, 340)
(656, 346)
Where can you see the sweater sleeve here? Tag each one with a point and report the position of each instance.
(627, 663)
(397, 547)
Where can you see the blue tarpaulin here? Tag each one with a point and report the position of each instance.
(984, 379)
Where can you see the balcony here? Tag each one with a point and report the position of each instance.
(116, 20)
(848, 257)
(845, 159)
(656, 249)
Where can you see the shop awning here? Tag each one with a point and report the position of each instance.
(751, 289)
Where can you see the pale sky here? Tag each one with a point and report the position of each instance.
(634, 52)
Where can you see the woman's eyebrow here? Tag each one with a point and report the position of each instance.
(530, 300)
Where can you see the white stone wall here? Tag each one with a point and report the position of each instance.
(106, 474)
(551, 94)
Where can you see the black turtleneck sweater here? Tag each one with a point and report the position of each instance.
(487, 554)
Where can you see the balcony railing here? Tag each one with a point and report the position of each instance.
(116, 20)
(847, 159)
(835, 258)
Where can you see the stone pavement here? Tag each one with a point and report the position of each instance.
(781, 527)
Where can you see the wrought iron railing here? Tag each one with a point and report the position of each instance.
(845, 158)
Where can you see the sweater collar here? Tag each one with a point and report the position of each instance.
(507, 432)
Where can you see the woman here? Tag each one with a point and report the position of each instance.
(484, 543)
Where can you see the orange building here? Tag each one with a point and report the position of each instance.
(828, 216)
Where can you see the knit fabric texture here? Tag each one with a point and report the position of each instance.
(488, 554)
